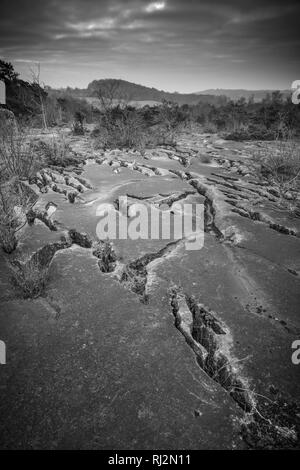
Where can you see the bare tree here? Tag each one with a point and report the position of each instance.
(111, 95)
(35, 74)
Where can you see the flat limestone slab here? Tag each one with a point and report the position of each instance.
(106, 372)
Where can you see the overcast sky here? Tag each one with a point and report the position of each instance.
(175, 45)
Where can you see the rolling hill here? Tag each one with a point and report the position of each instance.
(133, 92)
(141, 95)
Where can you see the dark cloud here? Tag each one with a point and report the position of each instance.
(184, 45)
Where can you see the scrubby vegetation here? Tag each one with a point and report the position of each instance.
(104, 251)
(69, 109)
(8, 220)
(78, 124)
(109, 104)
(279, 165)
(248, 120)
(29, 277)
(54, 151)
(123, 126)
(13, 205)
(17, 157)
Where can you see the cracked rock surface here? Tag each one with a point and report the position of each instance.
(143, 344)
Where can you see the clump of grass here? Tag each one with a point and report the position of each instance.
(55, 151)
(8, 238)
(77, 126)
(11, 198)
(29, 277)
(7, 119)
(106, 255)
(135, 280)
(17, 156)
(8, 221)
(280, 166)
(16, 198)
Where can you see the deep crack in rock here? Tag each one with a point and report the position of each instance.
(198, 328)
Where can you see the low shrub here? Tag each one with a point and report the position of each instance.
(17, 156)
(279, 164)
(8, 240)
(121, 128)
(106, 255)
(127, 127)
(29, 277)
(78, 127)
(12, 206)
(251, 133)
(55, 151)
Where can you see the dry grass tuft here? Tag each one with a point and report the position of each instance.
(55, 151)
(17, 156)
(106, 255)
(279, 165)
(29, 277)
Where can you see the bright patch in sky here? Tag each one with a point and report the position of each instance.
(105, 23)
(155, 6)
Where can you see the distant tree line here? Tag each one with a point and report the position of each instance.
(246, 119)
(242, 119)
